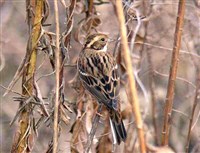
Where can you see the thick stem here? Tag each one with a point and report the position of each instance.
(132, 85)
(173, 72)
(23, 141)
(57, 68)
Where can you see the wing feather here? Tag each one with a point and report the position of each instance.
(99, 75)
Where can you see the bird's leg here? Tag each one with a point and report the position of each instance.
(94, 127)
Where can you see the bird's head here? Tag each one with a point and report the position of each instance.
(97, 42)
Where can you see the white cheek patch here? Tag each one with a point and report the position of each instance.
(105, 48)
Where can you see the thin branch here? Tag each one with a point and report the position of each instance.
(197, 92)
(46, 75)
(57, 68)
(13, 91)
(180, 112)
(2, 65)
(136, 29)
(195, 122)
(133, 93)
(177, 78)
(169, 49)
(153, 95)
(196, 100)
(94, 128)
(101, 135)
(173, 72)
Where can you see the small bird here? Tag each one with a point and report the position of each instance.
(98, 72)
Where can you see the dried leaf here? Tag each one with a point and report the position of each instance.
(91, 23)
(96, 21)
(105, 144)
(78, 36)
(155, 149)
(139, 40)
(89, 115)
(15, 142)
(78, 136)
(50, 147)
(127, 112)
(80, 8)
(63, 3)
(120, 61)
(21, 108)
(38, 95)
(67, 107)
(87, 26)
(30, 142)
(130, 141)
(28, 137)
(65, 118)
(17, 75)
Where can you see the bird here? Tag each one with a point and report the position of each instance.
(99, 74)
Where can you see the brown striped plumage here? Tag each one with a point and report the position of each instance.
(98, 73)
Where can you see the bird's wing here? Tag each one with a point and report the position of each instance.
(99, 74)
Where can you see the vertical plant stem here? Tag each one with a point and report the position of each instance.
(94, 128)
(197, 94)
(173, 72)
(90, 7)
(133, 93)
(23, 141)
(57, 68)
(153, 98)
(196, 99)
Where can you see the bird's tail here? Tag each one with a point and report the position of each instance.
(117, 127)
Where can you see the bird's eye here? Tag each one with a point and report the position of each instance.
(102, 39)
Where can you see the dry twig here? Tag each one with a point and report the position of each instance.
(57, 68)
(94, 128)
(133, 94)
(195, 104)
(173, 72)
(196, 99)
(151, 77)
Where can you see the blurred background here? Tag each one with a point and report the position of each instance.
(151, 62)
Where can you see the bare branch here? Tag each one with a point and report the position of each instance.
(173, 72)
(94, 128)
(133, 94)
(57, 68)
